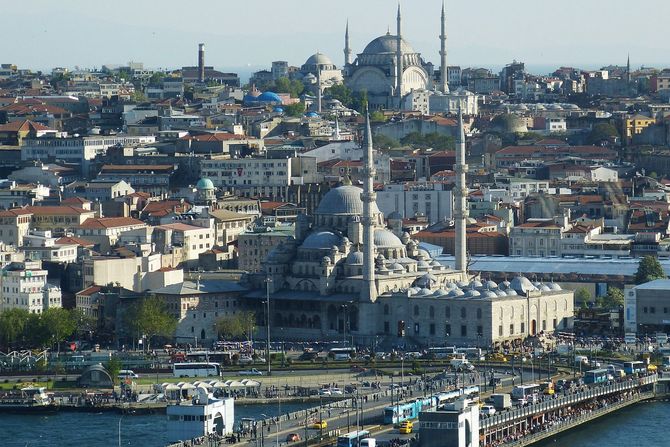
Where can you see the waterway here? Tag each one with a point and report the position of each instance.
(66, 429)
(644, 424)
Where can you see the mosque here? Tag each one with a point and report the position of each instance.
(345, 276)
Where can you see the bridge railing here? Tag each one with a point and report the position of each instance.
(570, 399)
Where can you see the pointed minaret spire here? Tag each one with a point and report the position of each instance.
(399, 58)
(460, 195)
(369, 289)
(444, 74)
(628, 69)
(347, 47)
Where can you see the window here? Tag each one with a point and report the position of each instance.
(416, 329)
(644, 309)
(652, 310)
(432, 329)
(479, 314)
(523, 328)
(480, 331)
(386, 309)
(544, 325)
(464, 331)
(447, 330)
(511, 329)
(387, 327)
(500, 330)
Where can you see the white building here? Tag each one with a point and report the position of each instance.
(105, 231)
(23, 285)
(202, 416)
(431, 199)
(41, 246)
(521, 187)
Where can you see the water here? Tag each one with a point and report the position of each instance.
(68, 429)
(643, 424)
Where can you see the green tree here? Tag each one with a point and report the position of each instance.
(649, 269)
(432, 140)
(285, 85)
(13, 323)
(238, 326)
(138, 96)
(342, 93)
(56, 325)
(157, 78)
(150, 317)
(359, 101)
(296, 109)
(614, 298)
(113, 367)
(378, 117)
(384, 142)
(602, 132)
(582, 297)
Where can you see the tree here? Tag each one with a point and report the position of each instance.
(285, 85)
(432, 140)
(582, 297)
(56, 325)
(296, 109)
(602, 132)
(13, 324)
(113, 367)
(649, 270)
(614, 298)
(384, 142)
(150, 317)
(157, 78)
(342, 93)
(138, 96)
(240, 325)
(378, 117)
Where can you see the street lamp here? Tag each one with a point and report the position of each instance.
(268, 281)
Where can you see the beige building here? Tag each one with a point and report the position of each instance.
(189, 240)
(539, 237)
(106, 231)
(255, 244)
(137, 273)
(228, 225)
(14, 226)
(58, 219)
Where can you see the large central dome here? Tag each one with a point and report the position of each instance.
(387, 44)
(344, 200)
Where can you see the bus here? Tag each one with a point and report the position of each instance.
(596, 376)
(342, 353)
(522, 392)
(196, 369)
(471, 353)
(352, 439)
(441, 352)
(636, 367)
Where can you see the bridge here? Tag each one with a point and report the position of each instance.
(528, 425)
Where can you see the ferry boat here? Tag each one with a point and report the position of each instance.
(28, 400)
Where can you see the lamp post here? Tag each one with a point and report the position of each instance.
(268, 281)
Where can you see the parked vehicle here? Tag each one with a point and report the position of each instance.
(487, 410)
(406, 427)
(251, 372)
(501, 401)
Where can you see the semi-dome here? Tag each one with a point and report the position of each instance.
(322, 240)
(386, 239)
(387, 44)
(355, 258)
(344, 200)
(204, 184)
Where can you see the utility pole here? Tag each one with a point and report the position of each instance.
(268, 280)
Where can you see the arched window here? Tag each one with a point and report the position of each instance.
(386, 309)
(431, 312)
(416, 311)
(464, 313)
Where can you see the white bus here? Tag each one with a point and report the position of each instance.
(523, 392)
(471, 353)
(196, 369)
(441, 352)
(342, 353)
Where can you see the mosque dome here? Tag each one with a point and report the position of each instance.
(204, 184)
(398, 268)
(386, 239)
(269, 97)
(355, 258)
(455, 292)
(490, 284)
(321, 240)
(472, 294)
(318, 59)
(344, 200)
(511, 292)
(387, 44)
(554, 287)
(475, 284)
(311, 115)
(522, 285)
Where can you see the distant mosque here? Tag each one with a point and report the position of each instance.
(389, 68)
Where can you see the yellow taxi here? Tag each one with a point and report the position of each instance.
(319, 425)
(406, 427)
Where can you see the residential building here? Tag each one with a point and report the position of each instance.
(185, 242)
(98, 190)
(148, 178)
(14, 195)
(482, 238)
(51, 175)
(430, 199)
(132, 272)
(23, 285)
(58, 219)
(255, 244)
(41, 246)
(229, 225)
(14, 226)
(105, 232)
(539, 237)
(647, 308)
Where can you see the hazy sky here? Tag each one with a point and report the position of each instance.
(41, 34)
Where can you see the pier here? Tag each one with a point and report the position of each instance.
(528, 425)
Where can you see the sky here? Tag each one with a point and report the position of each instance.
(248, 35)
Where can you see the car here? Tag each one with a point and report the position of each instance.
(487, 410)
(406, 427)
(319, 425)
(292, 437)
(325, 392)
(127, 374)
(245, 360)
(251, 372)
(336, 391)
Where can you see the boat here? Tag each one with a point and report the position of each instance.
(27, 400)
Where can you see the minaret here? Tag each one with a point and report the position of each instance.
(399, 58)
(460, 195)
(368, 196)
(201, 62)
(347, 47)
(444, 75)
(319, 95)
(628, 70)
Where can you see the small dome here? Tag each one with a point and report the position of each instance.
(490, 284)
(472, 294)
(440, 292)
(322, 240)
(545, 288)
(318, 59)
(269, 97)
(405, 238)
(504, 285)
(476, 284)
(311, 115)
(522, 285)
(501, 293)
(423, 265)
(456, 292)
(398, 268)
(204, 184)
(278, 110)
(386, 239)
(423, 254)
(489, 294)
(462, 284)
(425, 291)
(554, 287)
(355, 258)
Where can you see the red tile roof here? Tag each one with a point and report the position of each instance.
(24, 126)
(56, 210)
(110, 222)
(89, 291)
(71, 240)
